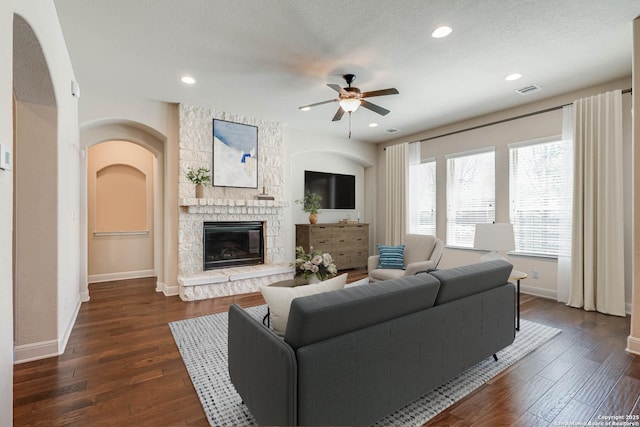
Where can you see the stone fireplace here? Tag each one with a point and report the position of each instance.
(228, 205)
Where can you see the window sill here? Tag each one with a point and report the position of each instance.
(515, 254)
(529, 255)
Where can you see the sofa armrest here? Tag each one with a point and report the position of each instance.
(417, 267)
(263, 369)
(372, 262)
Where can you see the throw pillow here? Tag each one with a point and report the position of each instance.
(391, 257)
(279, 298)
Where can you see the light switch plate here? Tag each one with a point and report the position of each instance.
(6, 157)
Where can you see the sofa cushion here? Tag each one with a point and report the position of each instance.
(318, 317)
(471, 279)
(279, 298)
(387, 274)
(391, 257)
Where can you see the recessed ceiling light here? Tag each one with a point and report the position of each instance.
(373, 125)
(441, 32)
(304, 108)
(512, 77)
(188, 80)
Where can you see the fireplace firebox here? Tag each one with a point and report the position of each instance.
(227, 244)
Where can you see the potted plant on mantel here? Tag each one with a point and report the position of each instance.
(311, 205)
(199, 177)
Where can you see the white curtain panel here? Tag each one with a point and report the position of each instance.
(396, 179)
(413, 189)
(597, 252)
(564, 251)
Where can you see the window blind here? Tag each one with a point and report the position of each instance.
(422, 197)
(540, 192)
(471, 194)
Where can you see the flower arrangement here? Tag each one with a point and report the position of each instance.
(198, 176)
(314, 264)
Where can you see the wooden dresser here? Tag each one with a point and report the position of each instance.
(348, 244)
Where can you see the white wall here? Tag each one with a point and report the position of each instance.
(6, 217)
(499, 136)
(633, 341)
(42, 17)
(36, 233)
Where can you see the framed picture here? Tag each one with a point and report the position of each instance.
(235, 155)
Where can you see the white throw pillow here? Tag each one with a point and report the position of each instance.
(279, 298)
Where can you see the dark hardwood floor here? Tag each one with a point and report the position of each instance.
(122, 367)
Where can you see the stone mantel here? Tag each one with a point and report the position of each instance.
(190, 202)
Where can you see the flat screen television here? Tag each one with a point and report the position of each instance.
(338, 191)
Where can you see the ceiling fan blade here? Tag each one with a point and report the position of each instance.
(373, 107)
(317, 103)
(382, 92)
(338, 115)
(337, 88)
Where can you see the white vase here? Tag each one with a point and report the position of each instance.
(314, 279)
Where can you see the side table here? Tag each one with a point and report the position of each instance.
(517, 275)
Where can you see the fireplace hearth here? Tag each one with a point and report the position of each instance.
(232, 244)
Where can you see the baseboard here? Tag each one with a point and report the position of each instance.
(35, 351)
(62, 344)
(551, 294)
(633, 345)
(539, 292)
(167, 290)
(108, 277)
(45, 349)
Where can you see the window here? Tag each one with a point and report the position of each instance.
(471, 194)
(540, 192)
(422, 198)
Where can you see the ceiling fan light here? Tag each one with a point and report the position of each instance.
(350, 105)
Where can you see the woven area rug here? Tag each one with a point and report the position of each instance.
(203, 345)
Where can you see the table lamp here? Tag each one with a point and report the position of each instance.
(494, 238)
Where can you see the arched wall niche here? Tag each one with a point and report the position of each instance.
(121, 198)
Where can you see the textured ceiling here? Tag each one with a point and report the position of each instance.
(264, 58)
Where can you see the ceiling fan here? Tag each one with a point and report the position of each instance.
(350, 98)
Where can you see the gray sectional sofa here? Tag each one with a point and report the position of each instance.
(353, 356)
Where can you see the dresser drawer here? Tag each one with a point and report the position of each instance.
(324, 244)
(357, 231)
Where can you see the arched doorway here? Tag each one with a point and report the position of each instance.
(35, 228)
(143, 138)
(120, 194)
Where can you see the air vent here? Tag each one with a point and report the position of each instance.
(392, 130)
(528, 89)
